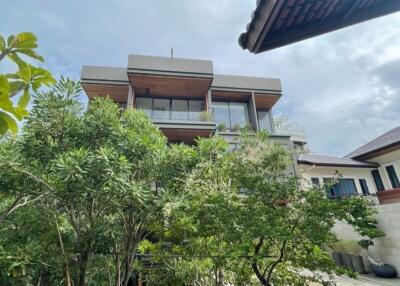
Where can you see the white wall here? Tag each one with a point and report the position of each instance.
(307, 172)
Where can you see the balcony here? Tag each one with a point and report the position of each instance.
(179, 120)
(297, 133)
(389, 196)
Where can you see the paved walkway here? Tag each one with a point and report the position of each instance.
(366, 280)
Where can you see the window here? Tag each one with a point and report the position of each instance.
(174, 109)
(179, 109)
(144, 104)
(394, 180)
(238, 115)
(378, 180)
(161, 108)
(315, 182)
(195, 108)
(264, 122)
(364, 187)
(342, 189)
(233, 115)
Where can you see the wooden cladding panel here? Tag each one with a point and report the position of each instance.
(265, 101)
(230, 95)
(118, 93)
(185, 135)
(171, 86)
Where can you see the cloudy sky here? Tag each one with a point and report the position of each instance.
(343, 88)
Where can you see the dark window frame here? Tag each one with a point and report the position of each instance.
(364, 187)
(393, 178)
(315, 182)
(378, 180)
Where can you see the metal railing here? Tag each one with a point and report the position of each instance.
(290, 128)
(176, 113)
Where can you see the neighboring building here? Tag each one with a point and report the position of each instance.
(186, 100)
(373, 169)
(276, 23)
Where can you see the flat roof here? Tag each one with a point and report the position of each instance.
(329, 161)
(169, 66)
(276, 23)
(101, 74)
(385, 141)
(257, 84)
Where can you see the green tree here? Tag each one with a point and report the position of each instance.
(27, 78)
(243, 211)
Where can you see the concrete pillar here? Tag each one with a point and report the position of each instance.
(131, 98)
(251, 106)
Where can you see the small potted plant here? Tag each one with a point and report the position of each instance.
(337, 250)
(221, 127)
(235, 127)
(355, 250)
(248, 127)
(205, 116)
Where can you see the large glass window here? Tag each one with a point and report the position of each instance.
(378, 180)
(264, 122)
(174, 109)
(179, 109)
(195, 109)
(394, 180)
(342, 189)
(161, 108)
(231, 115)
(239, 115)
(144, 104)
(221, 114)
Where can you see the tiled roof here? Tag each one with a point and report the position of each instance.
(323, 160)
(276, 23)
(390, 138)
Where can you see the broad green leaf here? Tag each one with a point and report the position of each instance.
(11, 40)
(24, 99)
(6, 104)
(25, 71)
(2, 44)
(29, 52)
(3, 126)
(26, 40)
(11, 123)
(4, 87)
(20, 113)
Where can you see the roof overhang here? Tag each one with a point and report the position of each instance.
(106, 82)
(267, 91)
(319, 164)
(276, 23)
(161, 76)
(378, 152)
(185, 131)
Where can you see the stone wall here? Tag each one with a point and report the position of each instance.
(387, 248)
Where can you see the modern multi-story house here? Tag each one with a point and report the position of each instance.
(186, 100)
(373, 169)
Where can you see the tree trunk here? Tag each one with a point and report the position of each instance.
(83, 259)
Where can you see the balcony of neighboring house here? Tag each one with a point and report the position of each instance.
(391, 193)
(292, 129)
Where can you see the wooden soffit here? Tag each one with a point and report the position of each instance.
(117, 92)
(174, 86)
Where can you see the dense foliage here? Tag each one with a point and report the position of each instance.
(100, 198)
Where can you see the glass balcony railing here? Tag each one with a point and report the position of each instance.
(193, 114)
